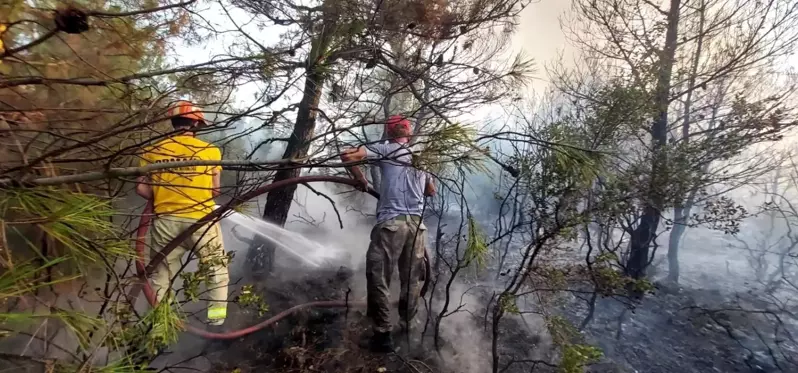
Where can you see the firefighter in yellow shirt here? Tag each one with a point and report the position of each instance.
(180, 197)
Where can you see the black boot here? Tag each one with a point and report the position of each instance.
(216, 345)
(381, 342)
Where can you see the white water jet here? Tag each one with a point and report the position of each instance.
(308, 251)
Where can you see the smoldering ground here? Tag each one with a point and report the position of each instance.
(723, 316)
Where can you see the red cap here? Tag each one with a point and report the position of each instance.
(396, 120)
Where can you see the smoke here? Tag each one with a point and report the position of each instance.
(466, 347)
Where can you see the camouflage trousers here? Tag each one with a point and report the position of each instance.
(206, 243)
(403, 240)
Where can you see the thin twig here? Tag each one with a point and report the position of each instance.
(335, 208)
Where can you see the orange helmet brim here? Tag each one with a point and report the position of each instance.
(185, 109)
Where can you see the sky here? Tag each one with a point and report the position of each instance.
(539, 36)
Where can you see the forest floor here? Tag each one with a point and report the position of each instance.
(334, 340)
(673, 330)
(313, 340)
(686, 331)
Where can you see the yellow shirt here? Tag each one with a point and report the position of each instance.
(185, 191)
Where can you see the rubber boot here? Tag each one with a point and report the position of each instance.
(381, 342)
(216, 345)
(406, 335)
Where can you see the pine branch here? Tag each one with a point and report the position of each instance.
(8, 182)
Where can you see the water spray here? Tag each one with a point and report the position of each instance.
(246, 222)
(143, 271)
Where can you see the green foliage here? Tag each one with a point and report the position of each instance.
(575, 355)
(562, 332)
(246, 208)
(81, 226)
(26, 277)
(161, 325)
(191, 284)
(119, 366)
(554, 277)
(78, 226)
(476, 252)
(559, 175)
(345, 31)
(722, 214)
(565, 163)
(79, 324)
(80, 223)
(641, 286)
(507, 304)
(619, 109)
(450, 148)
(248, 299)
(610, 280)
(193, 280)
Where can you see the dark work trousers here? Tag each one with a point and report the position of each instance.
(399, 240)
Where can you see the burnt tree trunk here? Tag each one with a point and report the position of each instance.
(644, 234)
(278, 203)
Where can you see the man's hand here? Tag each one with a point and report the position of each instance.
(429, 187)
(143, 187)
(362, 184)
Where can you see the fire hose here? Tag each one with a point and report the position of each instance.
(144, 271)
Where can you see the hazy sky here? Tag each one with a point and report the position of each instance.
(539, 35)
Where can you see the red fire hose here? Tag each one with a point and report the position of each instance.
(143, 271)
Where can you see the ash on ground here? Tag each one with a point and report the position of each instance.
(334, 339)
(688, 331)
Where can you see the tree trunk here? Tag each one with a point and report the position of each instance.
(679, 227)
(278, 203)
(681, 214)
(649, 219)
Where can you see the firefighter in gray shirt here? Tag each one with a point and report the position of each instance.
(399, 235)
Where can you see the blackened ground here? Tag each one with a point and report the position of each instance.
(313, 340)
(332, 340)
(681, 330)
(674, 330)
